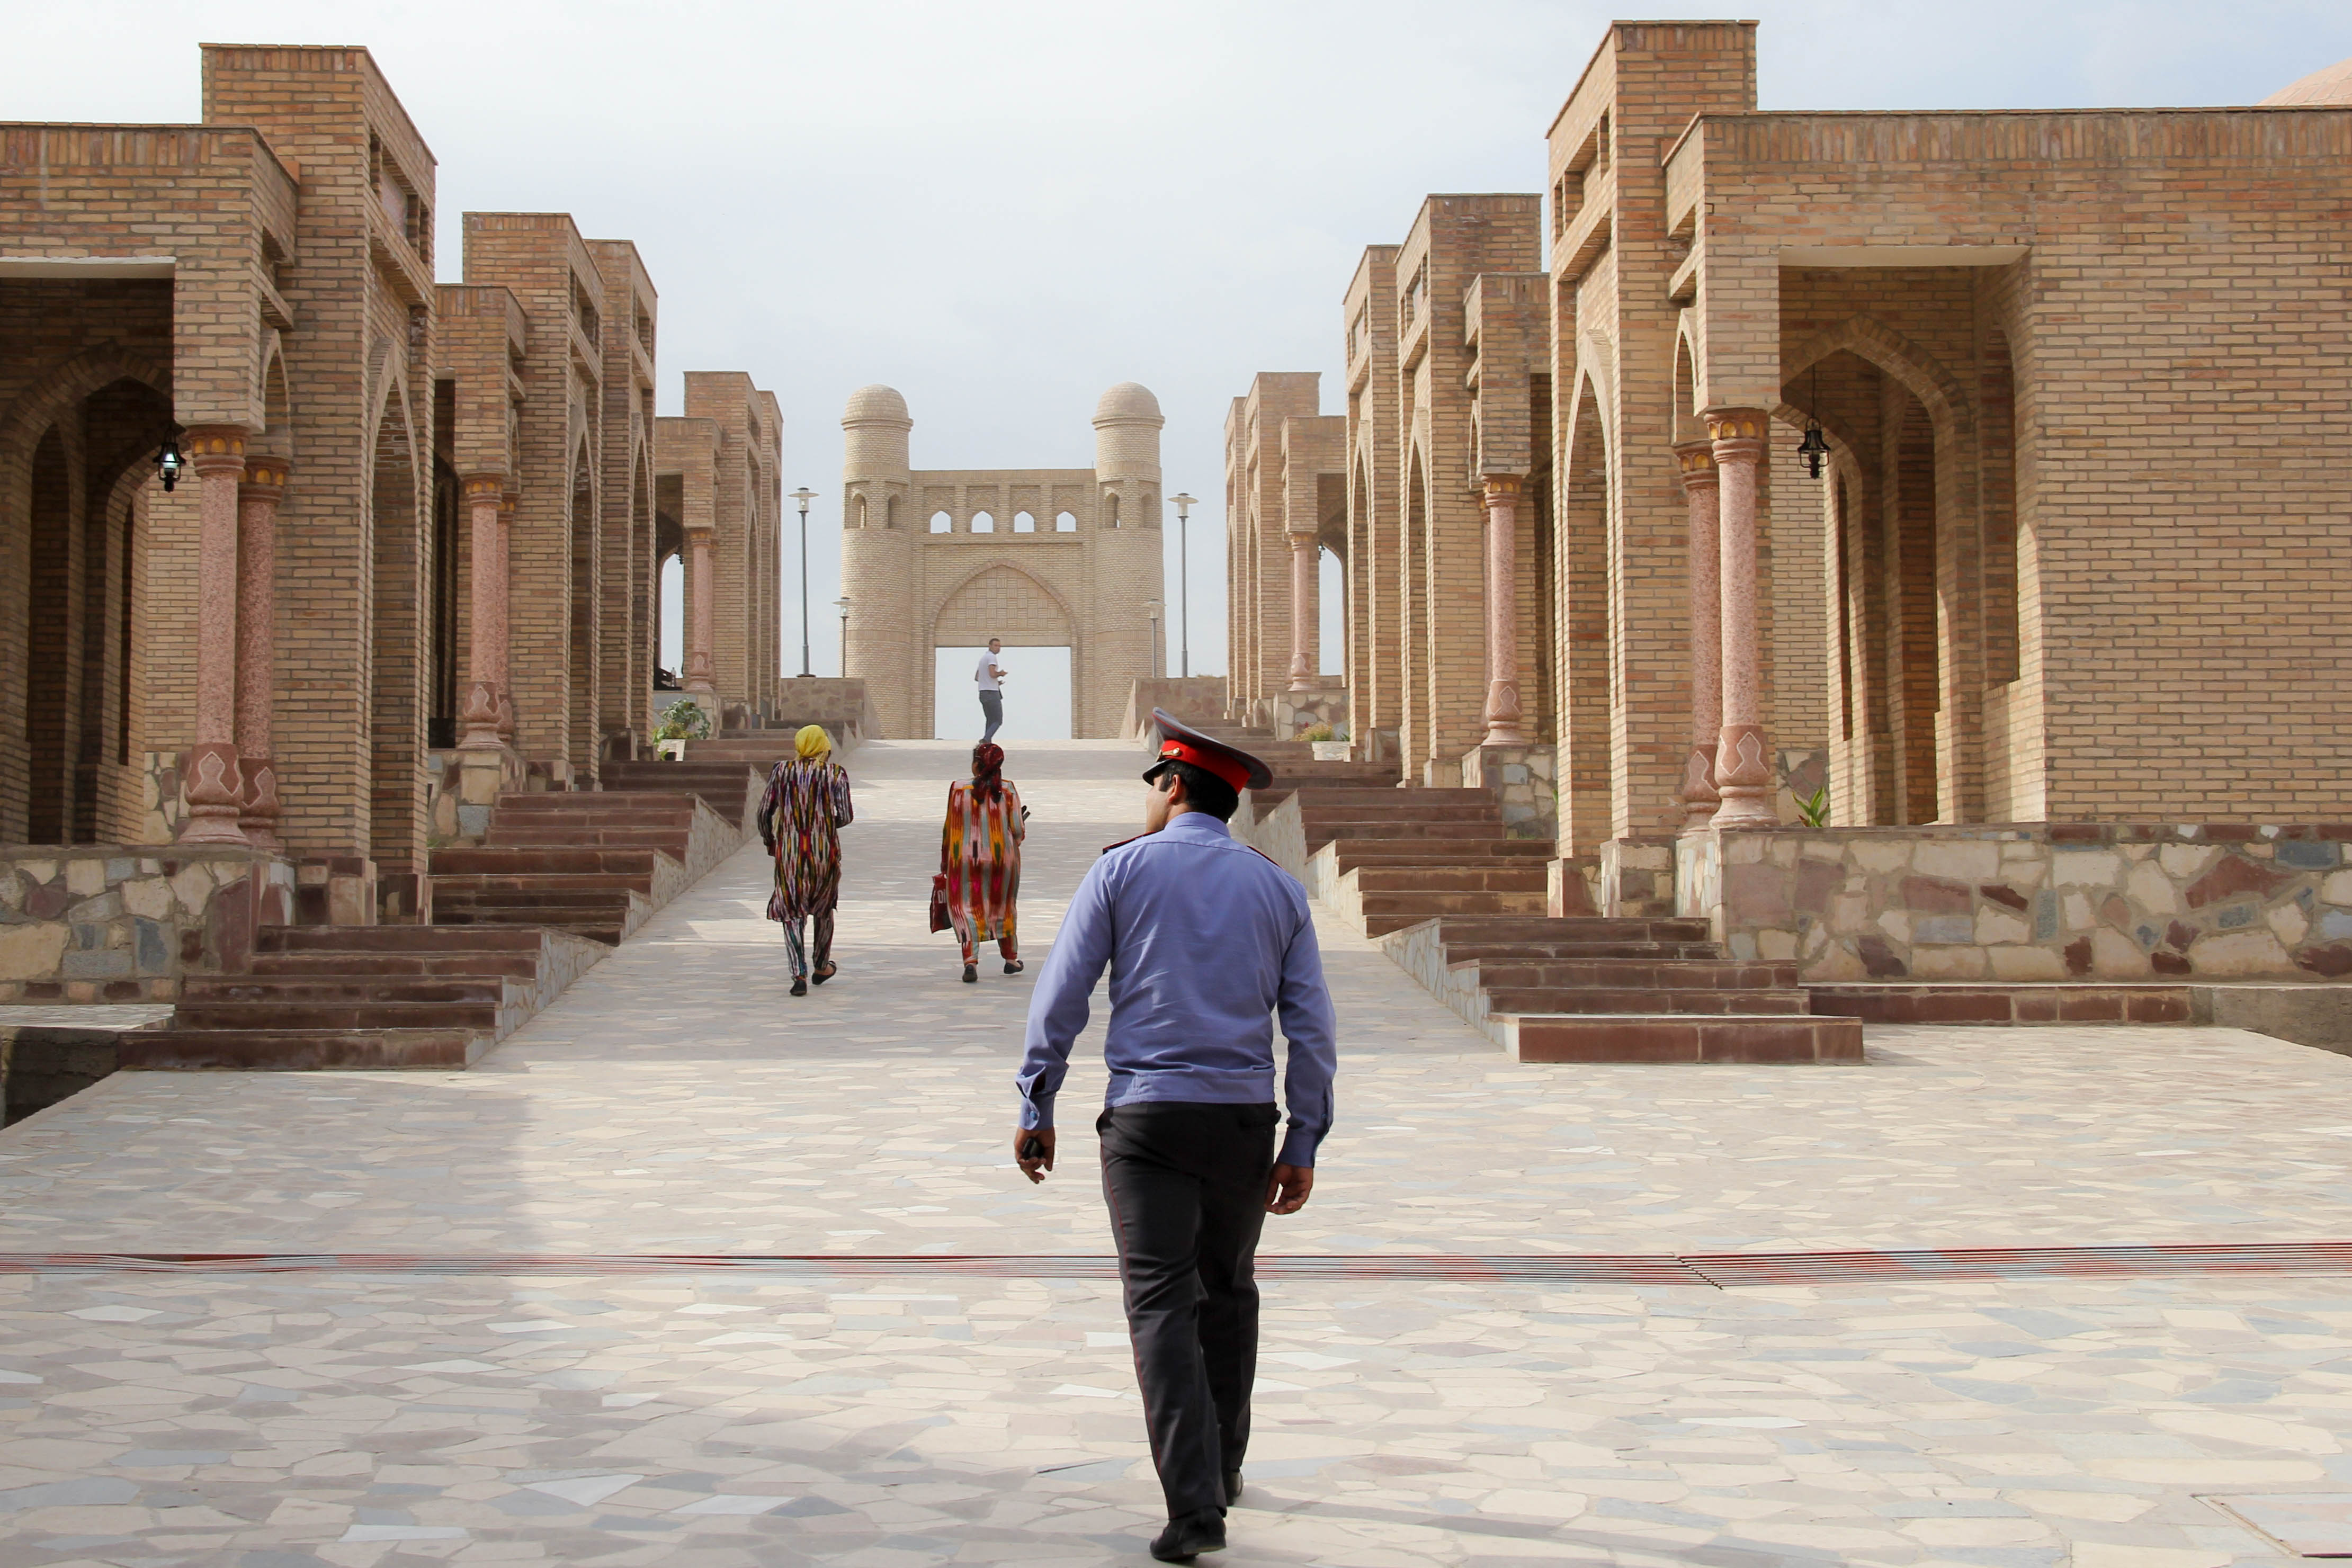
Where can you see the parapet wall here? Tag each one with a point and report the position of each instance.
(2029, 902)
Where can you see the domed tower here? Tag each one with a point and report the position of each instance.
(1129, 567)
(878, 555)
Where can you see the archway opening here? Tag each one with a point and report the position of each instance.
(1037, 688)
(582, 708)
(1588, 803)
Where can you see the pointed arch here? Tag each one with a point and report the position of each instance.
(1868, 338)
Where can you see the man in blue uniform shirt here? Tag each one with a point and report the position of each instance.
(1204, 938)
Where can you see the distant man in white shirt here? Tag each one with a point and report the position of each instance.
(992, 693)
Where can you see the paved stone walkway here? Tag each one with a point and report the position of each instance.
(676, 1100)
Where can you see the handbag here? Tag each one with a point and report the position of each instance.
(939, 901)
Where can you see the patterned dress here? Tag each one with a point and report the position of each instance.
(800, 816)
(980, 851)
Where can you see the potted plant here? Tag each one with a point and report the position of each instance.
(1329, 742)
(680, 722)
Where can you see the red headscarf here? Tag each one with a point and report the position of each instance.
(987, 768)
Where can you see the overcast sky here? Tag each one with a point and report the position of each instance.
(1002, 209)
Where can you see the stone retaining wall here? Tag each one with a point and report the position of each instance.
(2029, 902)
(123, 922)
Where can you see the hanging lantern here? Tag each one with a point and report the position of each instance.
(1813, 449)
(168, 463)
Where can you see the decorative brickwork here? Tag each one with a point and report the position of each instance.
(1046, 556)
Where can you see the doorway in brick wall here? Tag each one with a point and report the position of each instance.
(1037, 694)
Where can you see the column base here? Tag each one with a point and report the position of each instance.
(215, 795)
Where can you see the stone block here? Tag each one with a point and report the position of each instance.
(2025, 964)
(2185, 862)
(2147, 886)
(1967, 860)
(2253, 952)
(1880, 856)
(37, 871)
(473, 821)
(1775, 945)
(2085, 868)
(12, 890)
(2232, 875)
(31, 952)
(2289, 923)
(1947, 963)
(106, 964)
(2046, 915)
(85, 876)
(1996, 924)
(1933, 895)
(2115, 954)
(193, 888)
(105, 907)
(2078, 912)
(2335, 923)
(1896, 924)
(150, 948)
(2337, 888)
(2308, 854)
(149, 897)
(1944, 930)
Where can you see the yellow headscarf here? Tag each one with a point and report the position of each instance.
(812, 741)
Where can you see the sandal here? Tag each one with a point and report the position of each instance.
(822, 976)
(1013, 965)
(799, 987)
(971, 974)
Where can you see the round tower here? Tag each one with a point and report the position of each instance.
(1128, 570)
(877, 556)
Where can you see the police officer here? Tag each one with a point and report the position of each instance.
(1204, 937)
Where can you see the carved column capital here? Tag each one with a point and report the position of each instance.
(1695, 462)
(1500, 489)
(265, 479)
(211, 449)
(1736, 435)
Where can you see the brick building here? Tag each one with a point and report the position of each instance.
(290, 651)
(2068, 377)
(1055, 558)
(719, 471)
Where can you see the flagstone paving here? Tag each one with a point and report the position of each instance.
(676, 1100)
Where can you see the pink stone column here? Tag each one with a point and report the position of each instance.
(1743, 766)
(489, 608)
(215, 784)
(502, 576)
(699, 639)
(1700, 489)
(257, 644)
(1502, 497)
(1305, 630)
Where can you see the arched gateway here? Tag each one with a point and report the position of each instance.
(1044, 557)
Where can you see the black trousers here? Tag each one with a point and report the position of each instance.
(992, 709)
(1186, 1186)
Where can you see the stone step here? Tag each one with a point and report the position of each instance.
(364, 1014)
(307, 988)
(1387, 911)
(1684, 974)
(643, 805)
(1639, 1000)
(300, 1050)
(1460, 953)
(1998, 1002)
(1680, 1038)
(509, 860)
(411, 939)
(1575, 928)
(510, 885)
(517, 964)
(1322, 830)
(1501, 877)
(555, 832)
(1350, 854)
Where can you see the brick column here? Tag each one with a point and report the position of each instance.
(257, 644)
(1502, 498)
(1743, 768)
(699, 639)
(482, 494)
(1305, 625)
(502, 574)
(1700, 488)
(215, 785)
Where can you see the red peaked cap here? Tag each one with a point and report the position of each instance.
(1180, 742)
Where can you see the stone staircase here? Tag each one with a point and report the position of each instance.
(560, 879)
(594, 863)
(365, 997)
(1433, 875)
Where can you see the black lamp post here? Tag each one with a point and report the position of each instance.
(1185, 576)
(168, 463)
(804, 495)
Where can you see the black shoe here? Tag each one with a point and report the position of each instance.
(1013, 965)
(820, 977)
(800, 985)
(971, 974)
(1187, 1538)
(1232, 1487)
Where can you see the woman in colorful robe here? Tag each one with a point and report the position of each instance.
(980, 853)
(800, 816)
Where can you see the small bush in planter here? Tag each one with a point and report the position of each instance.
(1316, 732)
(683, 720)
